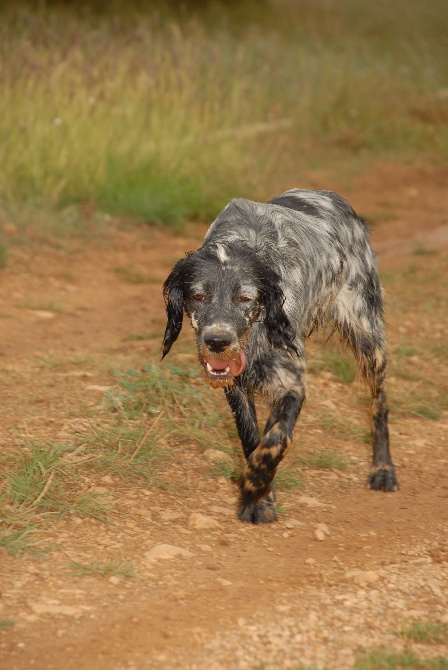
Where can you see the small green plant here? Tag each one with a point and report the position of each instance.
(342, 367)
(424, 251)
(324, 459)
(132, 276)
(3, 255)
(425, 631)
(337, 427)
(230, 471)
(287, 478)
(102, 569)
(406, 660)
(6, 623)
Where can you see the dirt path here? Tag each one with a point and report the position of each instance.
(242, 596)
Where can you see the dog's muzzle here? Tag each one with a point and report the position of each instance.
(221, 369)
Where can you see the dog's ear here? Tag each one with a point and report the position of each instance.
(173, 293)
(278, 326)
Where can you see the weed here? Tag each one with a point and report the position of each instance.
(139, 337)
(425, 631)
(406, 660)
(6, 623)
(41, 481)
(3, 255)
(41, 306)
(337, 427)
(132, 276)
(424, 251)
(324, 459)
(286, 478)
(230, 471)
(126, 449)
(102, 569)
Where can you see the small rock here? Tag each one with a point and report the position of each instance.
(323, 527)
(201, 522)
(216, 456)
(310, 561)
(166, 552)
(224, 582)
(362, 577)
(311, 502)
(42, 314)
(115, 580)
(292, 523)
(204, 547)
(319, 535)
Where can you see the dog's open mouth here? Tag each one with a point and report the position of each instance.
(222, 372)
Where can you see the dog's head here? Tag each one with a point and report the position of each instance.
(224, 289)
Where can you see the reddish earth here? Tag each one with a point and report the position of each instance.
(247, 597)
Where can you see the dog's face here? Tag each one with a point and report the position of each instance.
(224, 290)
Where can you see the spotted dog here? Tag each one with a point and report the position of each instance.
(264, 278)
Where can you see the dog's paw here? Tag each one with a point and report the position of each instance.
(262, 511)
(383, 478)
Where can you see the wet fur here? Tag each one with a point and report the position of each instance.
(300, 261)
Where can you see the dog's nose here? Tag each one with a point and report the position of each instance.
(217, 343)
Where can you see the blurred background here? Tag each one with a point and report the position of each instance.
(163, 110)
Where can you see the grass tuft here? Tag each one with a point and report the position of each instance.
(426, 631)
(102, 569)
(406, 660)
(324, 459)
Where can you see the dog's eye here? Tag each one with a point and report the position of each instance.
(243, 298)
(199, 297)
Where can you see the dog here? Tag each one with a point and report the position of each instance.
(266, 276)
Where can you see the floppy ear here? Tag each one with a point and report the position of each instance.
(278, 326)
(173, 292)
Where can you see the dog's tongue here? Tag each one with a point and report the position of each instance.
(236, 366)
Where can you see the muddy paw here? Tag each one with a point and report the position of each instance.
(263, 511)
(383, 478)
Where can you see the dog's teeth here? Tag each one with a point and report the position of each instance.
(218, 373)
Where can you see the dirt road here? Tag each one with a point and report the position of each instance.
(234, 595)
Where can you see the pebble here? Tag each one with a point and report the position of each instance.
(293, 523)
(362, 577)
(310, 501)
(166, 552)
(324, 528)
(201, 522)
(319, 535)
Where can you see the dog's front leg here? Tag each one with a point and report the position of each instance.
(257, 495)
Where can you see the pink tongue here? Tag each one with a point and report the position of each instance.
(236, 367)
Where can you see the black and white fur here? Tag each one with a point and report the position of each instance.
(265, 277)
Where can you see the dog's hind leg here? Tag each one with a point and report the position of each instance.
(256, 483)
(360, 322)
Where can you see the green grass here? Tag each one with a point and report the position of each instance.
(102, 569)
(324, 459)
(426, 631)
(343, 367)
(6, 623)
(45, 306)
(132, 276)
(406, 660)
(230, 100)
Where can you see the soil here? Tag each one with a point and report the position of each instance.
(270, 596)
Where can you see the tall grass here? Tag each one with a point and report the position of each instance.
(166, 117)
